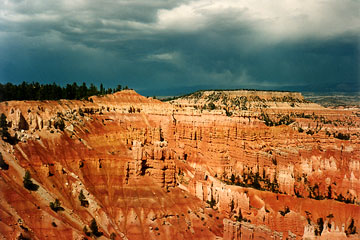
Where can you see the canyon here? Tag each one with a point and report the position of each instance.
(241, 164)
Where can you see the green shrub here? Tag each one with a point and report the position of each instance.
(255, 182)
(211, 106)
(329, 195)
(94, 229)
(342, 136)
(340, 198)
(59, 124)
(310, 132)
(284, 120)
(83, 201)
(3, 122)
(86, 231)
(286, 210)
(112, 236)
(212, 202)
(81, 112)
(232, 205)
(267, 120)
(3, 164)
(5, 135)
(56, 206)
(320, 227)
(22, 237)
(232, 178)
(240, 218)
(28, 184)
(228, 113)
(351, 228)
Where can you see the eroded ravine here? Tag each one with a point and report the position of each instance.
(151, 170)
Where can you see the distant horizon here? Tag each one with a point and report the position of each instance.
(176, 47)
(185, 91)
(189, 90)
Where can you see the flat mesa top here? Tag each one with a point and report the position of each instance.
(266, 94)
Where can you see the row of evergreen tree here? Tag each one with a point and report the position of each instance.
(37, 91)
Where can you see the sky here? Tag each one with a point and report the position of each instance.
(170, 47)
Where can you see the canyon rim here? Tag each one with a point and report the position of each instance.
(213, 164)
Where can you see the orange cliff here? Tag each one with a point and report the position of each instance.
(155, 170)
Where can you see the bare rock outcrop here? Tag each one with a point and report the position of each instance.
(272, 166)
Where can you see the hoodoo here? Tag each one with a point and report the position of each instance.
(241, 164)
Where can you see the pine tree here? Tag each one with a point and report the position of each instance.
(28, 184)
(94, 229)
(82, 199)
(118, 88)
(3, 164)
(102, 90)
(56, 206)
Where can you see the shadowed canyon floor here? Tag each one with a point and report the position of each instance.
(210, 165)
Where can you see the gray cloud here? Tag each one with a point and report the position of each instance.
(172, 46)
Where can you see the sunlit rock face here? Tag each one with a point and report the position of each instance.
(251, 165)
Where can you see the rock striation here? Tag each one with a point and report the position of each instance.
(211, 165)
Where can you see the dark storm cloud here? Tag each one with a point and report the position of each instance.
(167, 47)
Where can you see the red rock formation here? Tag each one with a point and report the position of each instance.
(151, 170)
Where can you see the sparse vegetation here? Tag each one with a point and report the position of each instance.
(320, 227)
(212, 202)
(232, 205)
(197, 94)
(215, 96)
(329, 195)
(283, 120)
(86, 231)
(228, 113)
(254, 181)
(314, 192)
(81, 112)
(56, 206)
(285, 211)
(22, 237)
(3, 164)
(342, 136)
(5, 135)
(28, 184)
(240, 218)
(297, 193)
(351, 229)
(94, 229)
(112, 236)
(310, 132)
(340, 198)
(211, 106)
(232, 178)
(59, 124)
(3, 124)
(84, 202)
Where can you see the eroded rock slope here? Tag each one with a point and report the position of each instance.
(212, 165)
